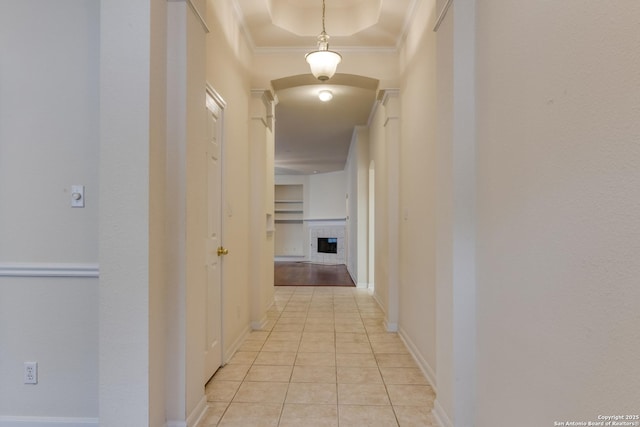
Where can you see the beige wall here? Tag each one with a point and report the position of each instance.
(444, 234)
(158, 342)
(418, 189)
(196, 206)
(227, 72)
(48, 141)
(558, 209)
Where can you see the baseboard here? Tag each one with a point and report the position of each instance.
(424, 366)
(440, 416)
(198, 412)
(259, 325)
(283, 258)
(359, 285)
(6, 421)
(390, 326)
(374, 295)
(194, 418)
(228, 353)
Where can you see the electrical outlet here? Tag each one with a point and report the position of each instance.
(31, 372)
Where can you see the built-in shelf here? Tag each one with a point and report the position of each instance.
(288, 220)
(288, 203)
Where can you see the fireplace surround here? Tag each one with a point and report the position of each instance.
(327, 244)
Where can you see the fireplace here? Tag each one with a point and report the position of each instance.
(328, 245)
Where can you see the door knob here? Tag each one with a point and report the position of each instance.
(222, 251)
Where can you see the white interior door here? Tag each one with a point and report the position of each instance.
(214, 249)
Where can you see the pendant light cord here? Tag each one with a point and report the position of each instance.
(323, 8)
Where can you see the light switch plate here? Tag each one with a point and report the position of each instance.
(77, 196)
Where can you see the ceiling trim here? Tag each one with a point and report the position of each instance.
(408, 20)
(301, 50)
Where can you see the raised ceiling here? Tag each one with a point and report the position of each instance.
(277, 24)
(313, 136)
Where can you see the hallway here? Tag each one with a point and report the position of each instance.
(324, 359)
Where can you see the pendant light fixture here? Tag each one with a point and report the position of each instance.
(323, 62)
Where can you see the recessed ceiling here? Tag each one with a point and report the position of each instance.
(281, 24)
(313, 136)
(347, 17)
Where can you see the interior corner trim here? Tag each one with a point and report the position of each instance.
(35, 269)
(442, 14)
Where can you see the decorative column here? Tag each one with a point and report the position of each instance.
(261, 154)
(391, 103)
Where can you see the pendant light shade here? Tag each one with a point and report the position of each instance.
(323, 62)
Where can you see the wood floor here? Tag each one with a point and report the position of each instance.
(308, 274)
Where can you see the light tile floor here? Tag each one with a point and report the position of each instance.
(324, 359)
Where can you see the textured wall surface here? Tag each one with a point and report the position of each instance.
(559, 202)
(49, 141)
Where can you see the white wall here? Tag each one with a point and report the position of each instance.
(357, 224)
(132, 140)
(559, 202)
(326, 199)
(48, 141)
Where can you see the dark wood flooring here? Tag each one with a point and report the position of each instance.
(308, 274)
